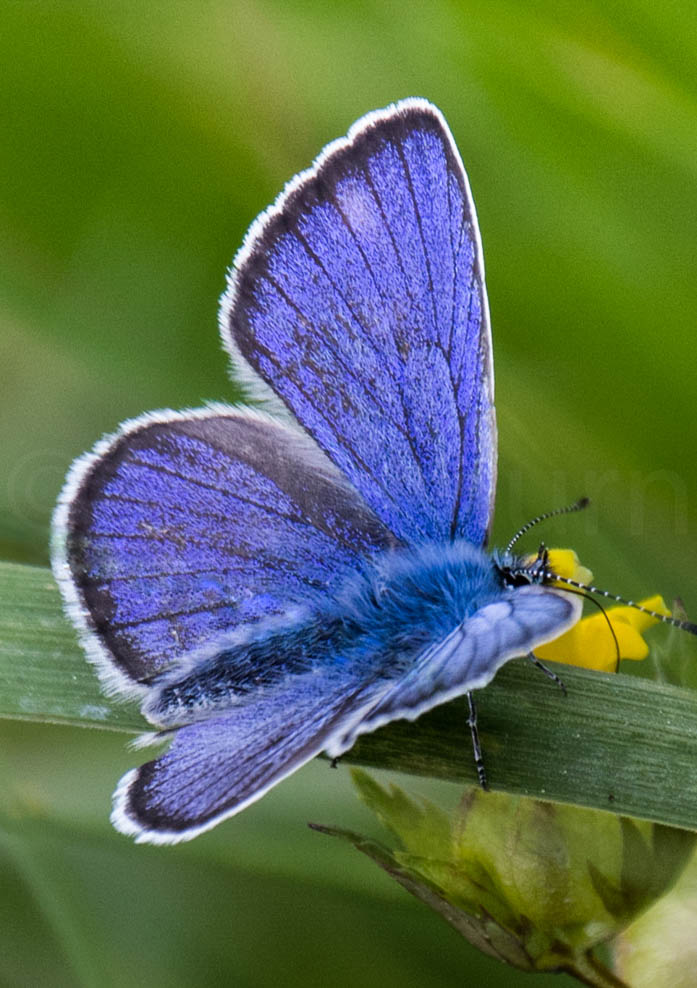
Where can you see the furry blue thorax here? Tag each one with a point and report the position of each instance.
(381, 619)
(416, 596)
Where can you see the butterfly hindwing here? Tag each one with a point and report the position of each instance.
(359, 300)
(217, 766)
(186, 525)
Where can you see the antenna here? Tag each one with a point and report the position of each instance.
(569, 509)
(666, 619)
(547, 574)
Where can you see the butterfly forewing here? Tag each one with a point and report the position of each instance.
(219, 764)
(359, 299)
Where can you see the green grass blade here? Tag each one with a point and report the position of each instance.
(615, 742)
(44, 675)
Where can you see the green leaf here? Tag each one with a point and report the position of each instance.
(481, 932)
(615, 742)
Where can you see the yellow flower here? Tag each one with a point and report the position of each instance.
(565, 562)
(590, 643)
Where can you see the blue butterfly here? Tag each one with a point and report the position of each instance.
(273, 583)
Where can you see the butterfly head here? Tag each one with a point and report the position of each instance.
(548, 567)
(560, 568)
(522, 571)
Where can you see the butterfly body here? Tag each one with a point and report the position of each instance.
(377, 624)
(272, 582)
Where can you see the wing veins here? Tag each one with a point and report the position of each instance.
(387, 226)
(359, 247)
(346, 368)
(94, 581)
(204, 609)
(410, 184)
(299, 519)
(453, 383)
(349, 445)
(456, 253)
(460, 418)
(404, 431)
(383, 216)
(254, 555)
(209, 515)
(168, 471)
(477, 426)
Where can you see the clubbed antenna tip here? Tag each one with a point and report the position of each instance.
(689, 626)
(579, 505)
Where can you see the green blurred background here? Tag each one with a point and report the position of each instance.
(139, 140)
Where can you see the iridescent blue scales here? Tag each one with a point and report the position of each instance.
(273, 583)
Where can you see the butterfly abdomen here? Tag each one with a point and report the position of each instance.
(249, 663)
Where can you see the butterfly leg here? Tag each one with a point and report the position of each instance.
(548, 672)
(476, 745)
(334, 763)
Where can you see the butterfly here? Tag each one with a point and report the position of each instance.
(273, 580)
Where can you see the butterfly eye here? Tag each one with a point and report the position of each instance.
(520, 574)
(519, 571)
